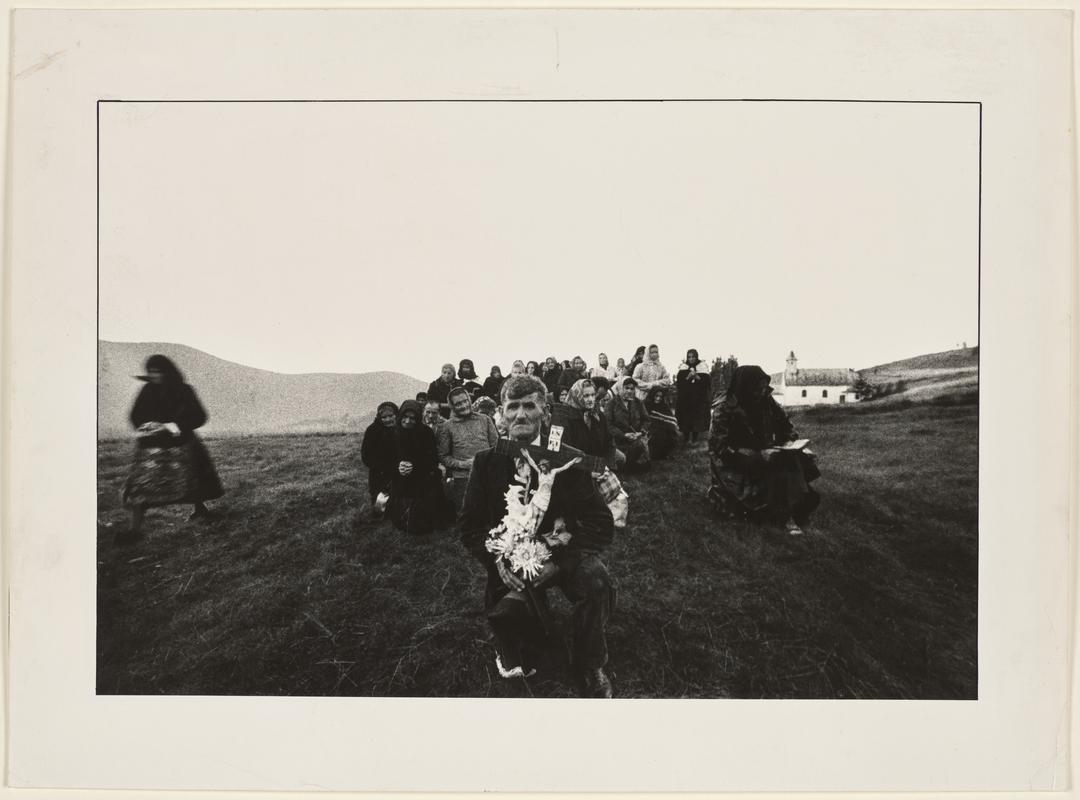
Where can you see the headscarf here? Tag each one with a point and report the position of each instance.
(164, 365)
(493, 384)
(745, 386)
(454, 392)
(466, 370)
(415, 444)
(576, 399)
(392, 406)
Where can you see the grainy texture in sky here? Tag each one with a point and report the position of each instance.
(353, 237)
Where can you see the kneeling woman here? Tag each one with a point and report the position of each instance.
(750, 474)
(417, 501)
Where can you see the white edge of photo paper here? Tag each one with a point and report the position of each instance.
(1015, 737)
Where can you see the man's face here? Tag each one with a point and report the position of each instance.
(579, 364)
(588, 397)
(654, 353)
(603, 361)
(461, 404)
(386, 417)
(523, 417)
(447, 373)
(431, 413)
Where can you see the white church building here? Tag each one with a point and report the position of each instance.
(814, 387)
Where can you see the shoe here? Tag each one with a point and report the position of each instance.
(597, 683)
(513, 672)
(793, 528)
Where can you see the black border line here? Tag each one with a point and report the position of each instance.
(978, 310)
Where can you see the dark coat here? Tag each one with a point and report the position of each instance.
(693, 395)
(594, 439)
(378, 452)
(175, 403)
(439, 390)
(551, 379)
(492, 387)
(573, 497)
(626, 415)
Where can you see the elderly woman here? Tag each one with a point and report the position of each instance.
(171, 464)
(663, 427)
(629, 423)
(378, 454)
(693, 394)
(417, 500)
(752, 474)
(469, 379)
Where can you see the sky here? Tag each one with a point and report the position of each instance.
(353, 237)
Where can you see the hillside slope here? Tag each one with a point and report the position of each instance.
(245, 400)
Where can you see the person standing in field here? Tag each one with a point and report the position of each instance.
(651, 372)
(439, 390)
(460, 439)
(693, 385)
(575, 567)
(171, 466)
(603, 369)
(378, 454)
(751, 474)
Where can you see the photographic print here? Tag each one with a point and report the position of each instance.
(604, 397)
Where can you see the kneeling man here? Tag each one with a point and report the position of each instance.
(575, 567)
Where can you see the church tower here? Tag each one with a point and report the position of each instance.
(792, 367)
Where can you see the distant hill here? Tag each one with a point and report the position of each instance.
(245, 400)
(927, 376)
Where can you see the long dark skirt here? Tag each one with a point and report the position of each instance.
(162, 476)
(419, 506)
(777, 490)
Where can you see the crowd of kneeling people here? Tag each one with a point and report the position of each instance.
(565, 433)
(552, 438)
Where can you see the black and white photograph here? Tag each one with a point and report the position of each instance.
(539, 399)
(385, 388)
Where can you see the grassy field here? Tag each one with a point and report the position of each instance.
(295, 592)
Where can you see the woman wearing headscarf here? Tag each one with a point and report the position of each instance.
(417, 500)
(439, 389)
(663, 427)
(751, 475)
(493, 384)
(377, 452)
(639, 356)
(469, 379)
(629, 423)
(693, 385)
(172, 465)
(587, 429)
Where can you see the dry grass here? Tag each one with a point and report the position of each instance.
(294, 592)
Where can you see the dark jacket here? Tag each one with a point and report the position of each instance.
(492, 387)
(176, 403)
(624, 416)
(594, 439)
(378, 451)
(693, 394)
(573, 497)
(570, 376)
(757, 427)
(439, 390)
(551, 379)
(416, 446)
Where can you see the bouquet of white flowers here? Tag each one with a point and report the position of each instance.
(515, 538)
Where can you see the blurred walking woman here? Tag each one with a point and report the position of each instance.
(171, 464)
